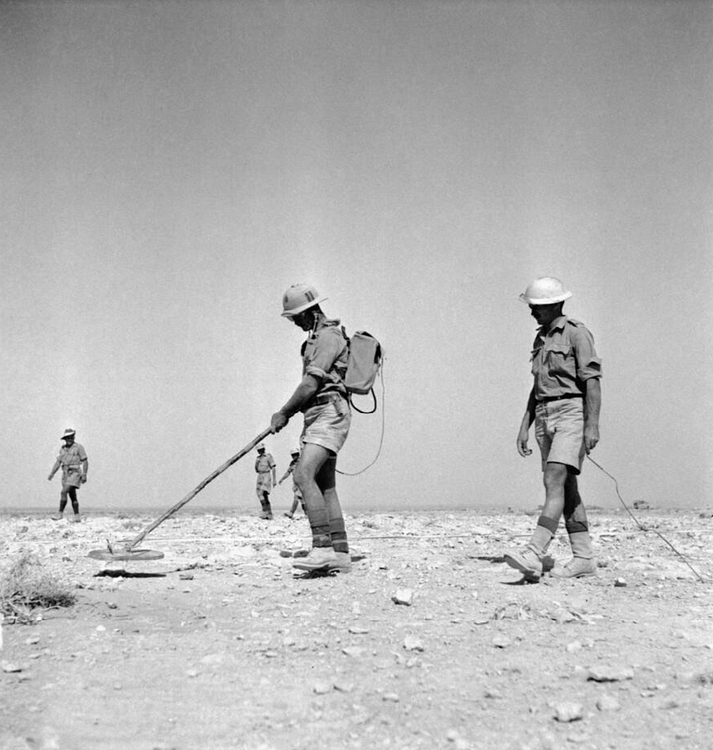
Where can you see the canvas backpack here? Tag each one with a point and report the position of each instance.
(364, 363)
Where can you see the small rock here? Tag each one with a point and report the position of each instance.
(343, 687)
(391, 697)
(568, 711)
(358, 630)
(354, 651)
(321, 687)
(608, 703)
(501, 641)
(412, 643)
(185, 576)
(403, 596)
(620, 583)
(610, 674)
(8, 666)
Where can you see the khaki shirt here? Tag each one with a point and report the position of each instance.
(325, 355)
(70, 459)
(264, 464)
(563, 359)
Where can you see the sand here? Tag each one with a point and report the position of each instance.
(430, 642)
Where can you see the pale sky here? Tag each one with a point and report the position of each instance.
(170, 168)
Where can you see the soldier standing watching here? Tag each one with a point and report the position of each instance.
(73, 460)
(265, 468)
(564, 405)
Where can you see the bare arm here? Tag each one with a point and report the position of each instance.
(592, 407)
(302, 395)
(53, 471)
(527, 420)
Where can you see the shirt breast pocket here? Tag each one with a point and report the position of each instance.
(557, 354)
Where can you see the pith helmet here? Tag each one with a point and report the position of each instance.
(261, 447)
(68, 433)
(545, 291)
(298, 298)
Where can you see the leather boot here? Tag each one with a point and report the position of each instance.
(582, 563)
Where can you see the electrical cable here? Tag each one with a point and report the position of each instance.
(643, 528)
(383, 427)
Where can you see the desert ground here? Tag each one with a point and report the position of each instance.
(430, 642)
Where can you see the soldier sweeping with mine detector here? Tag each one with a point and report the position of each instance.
(564, 406)
(334, 368)
(323, 398)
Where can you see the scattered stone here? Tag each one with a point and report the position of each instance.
(358, 630)
(568, 711)
(343, 687)
(354, 651)
(403, 596)
(321, 687)
(8, 667)
(185, 576)
(573, 647)
(608, 703)
(610, 674)
(620, 583)
(390, 697)
(412, 643)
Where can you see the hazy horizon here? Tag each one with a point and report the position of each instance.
(170, 168)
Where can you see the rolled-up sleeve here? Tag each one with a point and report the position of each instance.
(327, 348)
(588, 363)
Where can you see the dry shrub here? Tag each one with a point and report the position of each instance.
(27, 585)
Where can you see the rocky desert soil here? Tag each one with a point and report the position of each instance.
(430, 642)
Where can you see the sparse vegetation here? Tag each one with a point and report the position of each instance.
(26, 585)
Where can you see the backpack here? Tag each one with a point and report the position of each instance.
(365, 359)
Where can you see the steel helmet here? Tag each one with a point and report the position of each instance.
(545, 291)
(298, 298)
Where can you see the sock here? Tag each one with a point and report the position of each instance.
(338, 535)
(319, 523)
(575, 527)
(542, 536)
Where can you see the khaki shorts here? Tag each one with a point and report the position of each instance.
(559, 429)
(327, 424)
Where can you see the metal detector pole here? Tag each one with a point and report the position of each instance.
(194, 492)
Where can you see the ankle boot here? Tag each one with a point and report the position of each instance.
(582, 563)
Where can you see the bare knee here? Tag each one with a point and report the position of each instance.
(555, 476)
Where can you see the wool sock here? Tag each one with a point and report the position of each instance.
(543, 534)
(319, 523)
(338, 535)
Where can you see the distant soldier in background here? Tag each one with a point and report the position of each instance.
(297, 495)
(265, 468)
(73, 460)
(564, 405)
